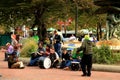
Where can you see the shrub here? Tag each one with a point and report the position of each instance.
(103, 55)
(116, 57)
(29, 46)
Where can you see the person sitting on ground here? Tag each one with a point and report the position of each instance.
(9, 51)
(47, 50)
(75, 57)
(35, 56)
(65, 58)
(13, 62)
(54, 57)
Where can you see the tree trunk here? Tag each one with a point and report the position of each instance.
(97, 32)
(100, 28)
(41, 32)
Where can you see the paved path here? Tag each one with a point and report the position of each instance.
(35, 73)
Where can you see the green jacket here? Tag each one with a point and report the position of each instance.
(77, 55)
(86, 47)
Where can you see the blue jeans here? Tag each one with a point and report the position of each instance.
(69, 62)
(63, 63)
(33, 62)
(57, 47)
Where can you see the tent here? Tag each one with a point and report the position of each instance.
(51, 29)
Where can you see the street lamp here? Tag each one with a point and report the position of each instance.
(76, 16)
(76, 20)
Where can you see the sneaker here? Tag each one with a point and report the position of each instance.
(58, 67)
(22, 67)
(66, 68)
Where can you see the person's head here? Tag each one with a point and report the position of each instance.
(48, 46)
(52, 50)
(55, 32)
(8, 44)
(72, 34)
(40, 45)
(64, 51)
(46, 38)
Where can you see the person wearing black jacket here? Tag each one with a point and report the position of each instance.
(54, 58)
(57, 43)
(65, 58)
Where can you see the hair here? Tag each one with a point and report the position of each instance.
(7, 44)
(49, 45)
(55, 31)
(40, 42)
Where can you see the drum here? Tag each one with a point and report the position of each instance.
(44, 62)
(75, 66)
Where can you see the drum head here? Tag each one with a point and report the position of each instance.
(47, 63)
(75, 66)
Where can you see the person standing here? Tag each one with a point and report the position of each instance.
(13, 37)
(57, 43)
(86, 61)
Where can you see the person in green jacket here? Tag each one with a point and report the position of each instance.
(86, 61)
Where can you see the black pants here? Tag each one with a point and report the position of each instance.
(86, 64)
(6, 56)
(54, 64)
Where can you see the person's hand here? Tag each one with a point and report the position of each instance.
(39, 53)
(55, 60)
(71, 58)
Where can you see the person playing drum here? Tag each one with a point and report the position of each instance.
(35, 56)
(65, 58)
(75, 57)
(54, 57)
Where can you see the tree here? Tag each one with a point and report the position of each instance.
(11, 12)
(44, 12)
(37, 8)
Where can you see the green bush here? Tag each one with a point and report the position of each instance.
(116, 58)
(29, 46)
(103, 55)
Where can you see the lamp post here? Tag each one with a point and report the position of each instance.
(76, 20)
(76, 17)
